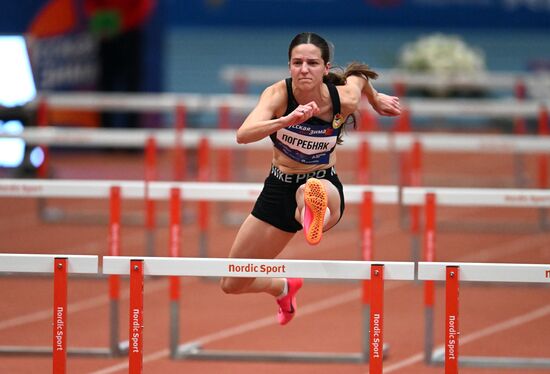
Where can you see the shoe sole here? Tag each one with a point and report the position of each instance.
(315, 199)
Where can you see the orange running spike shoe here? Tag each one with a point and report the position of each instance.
(287, 303)
(315, 206)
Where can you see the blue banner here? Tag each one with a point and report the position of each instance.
(361, 13)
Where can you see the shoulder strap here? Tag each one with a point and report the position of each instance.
(335, 98)
(291, 101)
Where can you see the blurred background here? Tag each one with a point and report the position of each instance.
(86, 84)
(181, 46)
(185, 46)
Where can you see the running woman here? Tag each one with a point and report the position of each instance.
(304, 116)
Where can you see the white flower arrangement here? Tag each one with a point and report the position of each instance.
(441, 54)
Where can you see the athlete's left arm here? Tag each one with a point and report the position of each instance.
(383, 104)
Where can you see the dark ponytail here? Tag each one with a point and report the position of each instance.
(338, 76)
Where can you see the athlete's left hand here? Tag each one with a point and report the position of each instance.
(386, 105)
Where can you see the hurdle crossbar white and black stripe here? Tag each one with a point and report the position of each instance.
(454, 273)
(376, 272)
(60, 266)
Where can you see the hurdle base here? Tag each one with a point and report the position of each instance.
(47, 351)
(193, 351)
(438, 357)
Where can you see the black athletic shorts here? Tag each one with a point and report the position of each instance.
(276, 204)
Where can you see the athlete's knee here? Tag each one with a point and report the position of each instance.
(230, 285)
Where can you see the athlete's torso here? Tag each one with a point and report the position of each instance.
(309, 145)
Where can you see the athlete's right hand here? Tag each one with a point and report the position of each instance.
(302, 113)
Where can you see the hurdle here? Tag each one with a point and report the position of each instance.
(160, 191)
(77, 190)
(377, 141)
(183, 103)
(377, 272)
(60, 265)
(484, 197)
(431, 197)
(366, 196)
(454, 273)
(240, 77)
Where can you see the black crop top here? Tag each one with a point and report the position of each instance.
(312, 141)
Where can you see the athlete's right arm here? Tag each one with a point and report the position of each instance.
(263, 121)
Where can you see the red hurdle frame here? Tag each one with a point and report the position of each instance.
(373, 302)
(135, 350)
(452, 331)
(59, 344)
(59, 266)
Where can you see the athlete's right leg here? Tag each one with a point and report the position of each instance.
(317, 207)
(257, 239)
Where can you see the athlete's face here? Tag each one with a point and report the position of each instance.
(307, 67)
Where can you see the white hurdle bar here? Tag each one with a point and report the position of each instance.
(483, 197)
(376, 272)
(139, 102)
(453, 274)
(379, 141)
(191, 191)
(44, 263)
(60, 265)
(256, 268)
(224, 140)
(538, 83)
(430, 198)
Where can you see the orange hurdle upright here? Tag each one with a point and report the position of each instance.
(451, 318)
(150, 176)
(59, 324)
(135, 350)
(454, 273)
(429, 290)
(376, 334)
